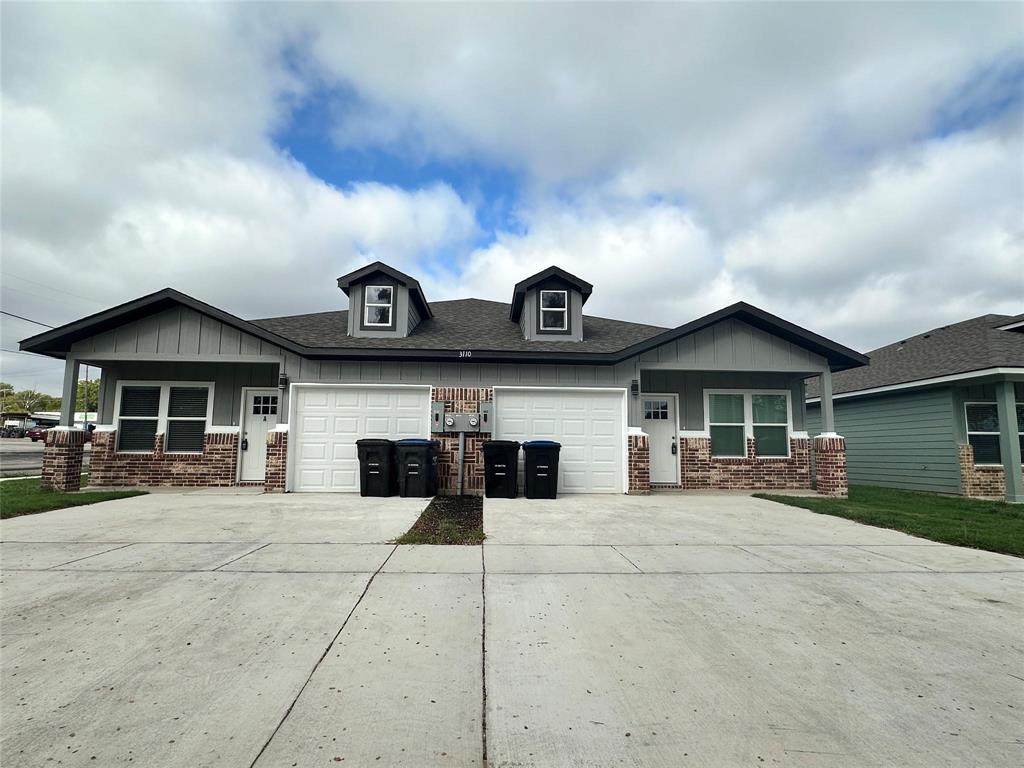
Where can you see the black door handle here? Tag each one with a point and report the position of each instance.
(245, 444)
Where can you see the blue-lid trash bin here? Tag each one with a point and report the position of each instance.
(541, 469)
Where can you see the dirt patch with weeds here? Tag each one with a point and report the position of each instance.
(448, 520)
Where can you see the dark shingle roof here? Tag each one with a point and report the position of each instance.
(473, 324)
(971, 345)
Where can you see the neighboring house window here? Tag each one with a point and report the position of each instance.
(377, 305)
(180, 411)
(983, 432)
(727, 425)
(554, 310)
(734, 416)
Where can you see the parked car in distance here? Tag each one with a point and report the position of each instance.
(37, 433)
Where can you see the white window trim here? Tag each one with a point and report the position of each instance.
(748, 417)
(390, 305)
(564, 310)
(165, 399)
(968, 431)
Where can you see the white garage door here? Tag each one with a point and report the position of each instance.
(329, 420)
(588, 424)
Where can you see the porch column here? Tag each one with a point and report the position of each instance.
(1009, 444)
(828, 419)
(69, 394)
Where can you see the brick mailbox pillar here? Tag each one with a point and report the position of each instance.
(62, 459)
(830, 465)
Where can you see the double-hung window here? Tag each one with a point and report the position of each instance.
(734, 416)
(554, 310)
(378, 306)
(180, 412)
(983, 431)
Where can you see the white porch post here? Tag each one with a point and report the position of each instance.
(69, 395)
(828, 419)
(1009, 444)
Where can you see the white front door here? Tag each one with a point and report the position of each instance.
(259, 416)
(329, 420)
(588, 424)
(659, 422)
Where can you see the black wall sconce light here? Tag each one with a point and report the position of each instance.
(634, 388)
(282, 381)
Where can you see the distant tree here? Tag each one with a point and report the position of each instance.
(6, 392)
(29, 400)
(88, 396)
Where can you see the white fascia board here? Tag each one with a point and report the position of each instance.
(926, 382)
(1011, 326)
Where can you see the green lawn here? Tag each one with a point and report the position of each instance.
(448, 520)
(992, 525)
(26, 497)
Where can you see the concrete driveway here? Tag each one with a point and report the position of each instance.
(246, 630)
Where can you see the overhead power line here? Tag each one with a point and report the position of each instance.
(20, 352)
(27, 319)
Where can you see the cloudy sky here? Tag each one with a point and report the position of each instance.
(855, 168)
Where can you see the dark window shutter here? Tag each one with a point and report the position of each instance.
(140, 401)
(136, 434)
(185, 436)
(188, 402)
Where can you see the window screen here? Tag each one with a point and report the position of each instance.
(137, 418)
(983, 432)
(186, 419)
(771, 424)
(726, 425)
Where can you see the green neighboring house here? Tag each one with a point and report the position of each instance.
(941, 411)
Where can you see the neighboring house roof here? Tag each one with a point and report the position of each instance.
(972, 345)
(362, 275)
(475, 325)
(519, 292)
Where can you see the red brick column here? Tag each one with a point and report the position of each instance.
(984, 482)
(62, 459)
(461, 400)
(277, 461)
(830, 466)
(639, 465)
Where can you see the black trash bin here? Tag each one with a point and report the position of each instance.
(541, 475)
(416, 460)
(376, 467)
(501, 469)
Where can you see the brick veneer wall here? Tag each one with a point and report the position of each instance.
(701, 471)
(984, 482)
(830, 466)
(277, 461)
(639, 462)
(461, 400)
(215, 466)
(62, 459)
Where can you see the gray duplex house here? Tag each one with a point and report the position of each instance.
(193, 395)
(941, 411)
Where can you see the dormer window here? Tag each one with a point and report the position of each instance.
(378, 306)
(554, 310)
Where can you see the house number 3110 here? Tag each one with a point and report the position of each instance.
(465, 353)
